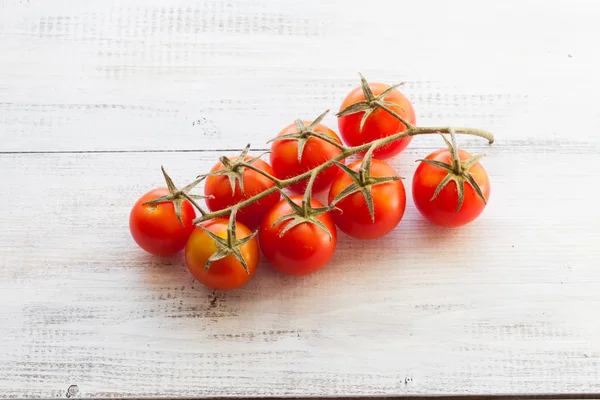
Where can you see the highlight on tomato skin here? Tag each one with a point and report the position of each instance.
(442, 210)
(227, 273)
(352, 215)
(219, 188)
(379, 123)
(285, 164)
(302, 250)
(155, 227)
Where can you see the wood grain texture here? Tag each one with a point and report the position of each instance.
(123, 75)
(96, 95)
(510, 310)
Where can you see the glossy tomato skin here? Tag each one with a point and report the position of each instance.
(155, 227)
(227, 273)
(254, 183)
(379, 124)
(284, 158)
(441, 210)
(389, 203)
(302, 250)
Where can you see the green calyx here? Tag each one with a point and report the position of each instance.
(304, 133)
(177, 196)
(363, 182)
(458, 171)
(372, 103)
(304, 213)
(234, 170)
(229, 246)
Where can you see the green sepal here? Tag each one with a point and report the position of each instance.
(229, 246)
(362, 182)
(458, 172)
(371, 102)
(178, 196)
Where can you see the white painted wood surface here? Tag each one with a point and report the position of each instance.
(93, 92)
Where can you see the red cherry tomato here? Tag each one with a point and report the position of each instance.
(379, 124)
(303, 249)
(226, 273)
(284, 158)
(155, 227)
(389, 203)
(441, 210)
(254, 183)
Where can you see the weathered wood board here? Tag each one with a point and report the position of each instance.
(96, 95)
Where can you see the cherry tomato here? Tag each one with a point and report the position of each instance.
(305, 248)
(379, 124)
(389, 203)
(226, 273)
(254, 183)
(284, 158)
(441, 210)
(155, 227)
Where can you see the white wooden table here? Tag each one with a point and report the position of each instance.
(95, 95)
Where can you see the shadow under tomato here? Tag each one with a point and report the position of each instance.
(427, 236)
(179, 295)
(174, 291)
(159, 270)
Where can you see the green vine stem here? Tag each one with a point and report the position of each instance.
(411, 130)
(234, 170)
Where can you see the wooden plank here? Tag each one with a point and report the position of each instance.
(503, 306)
(142, 75)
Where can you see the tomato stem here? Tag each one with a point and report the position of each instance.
(177, 196)
(418, 130)
(394, 114)
(263, 173)
(190, 198)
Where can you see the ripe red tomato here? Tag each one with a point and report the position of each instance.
(441, 210)
(389, 203)
(305, 248)
(155, 227)
(379, 124)
(254, 183)
(226, 273)
(284, 158)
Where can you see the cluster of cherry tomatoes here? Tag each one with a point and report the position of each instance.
(296, 233)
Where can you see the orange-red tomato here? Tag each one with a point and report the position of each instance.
(441, 210)
(303, 249)
(284, 158)
(226, 273)
(389, 203)
(155, 227)
(254, 183)
(379, 124)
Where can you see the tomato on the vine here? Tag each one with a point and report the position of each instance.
(227, 273)
(219, 188)
(352, 215)
(314, 151)
(378, 123)
(442, 209)
(155, 227)
(304, 248)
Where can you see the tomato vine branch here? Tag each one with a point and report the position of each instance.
(412, 130)
(234, 169)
